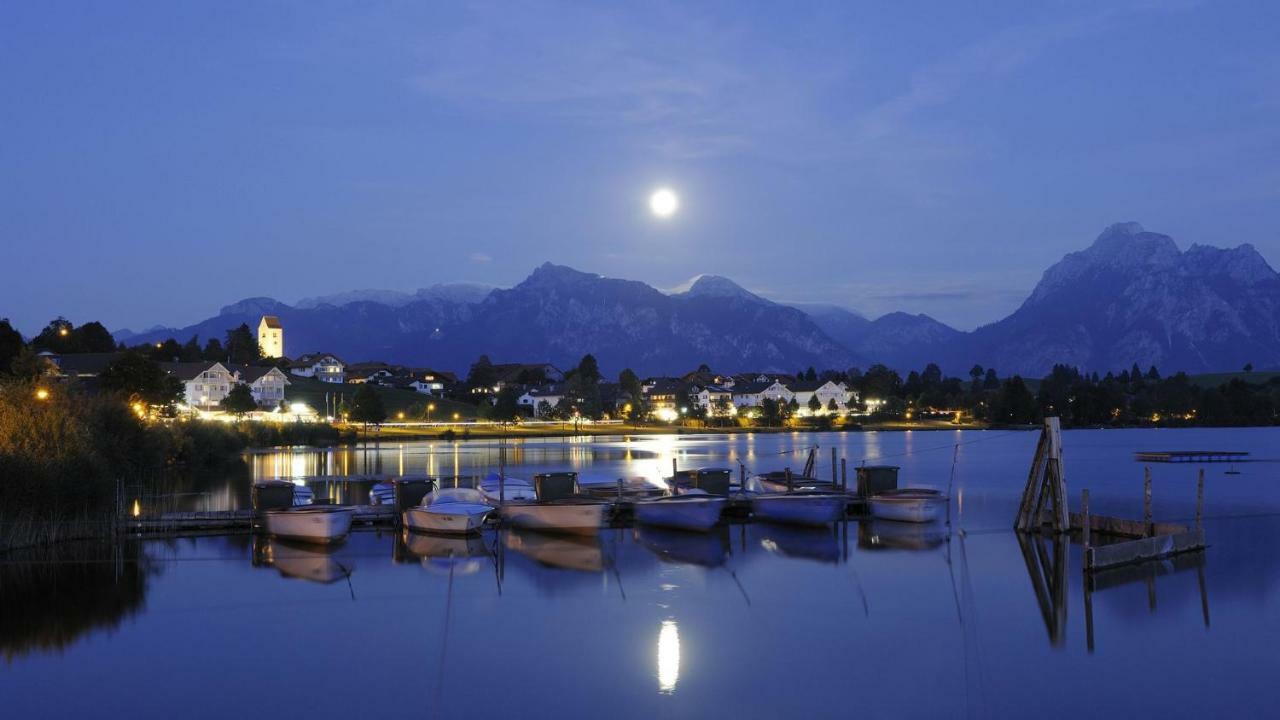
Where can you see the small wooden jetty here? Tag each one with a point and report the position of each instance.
(220, 520)
(1190, 456)
(1120, 541)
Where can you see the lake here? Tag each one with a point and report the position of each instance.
(869, 619)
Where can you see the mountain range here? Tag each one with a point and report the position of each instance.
(1130, 297)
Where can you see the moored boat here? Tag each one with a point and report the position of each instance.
(692, 510)
(320, 524)
(454, 511)
(497, 489)
(776, 481)
(915, 505)
(303, 562)
(573, 516)
(802, 507)
(558, 507)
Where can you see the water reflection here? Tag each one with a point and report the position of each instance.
(563, 552)
(890, 535)
(463, 555)
(709, 549)
(52, 597)
(315, 563)
(795, 541)
(668, 657)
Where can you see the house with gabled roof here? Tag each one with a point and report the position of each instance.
(325, 367)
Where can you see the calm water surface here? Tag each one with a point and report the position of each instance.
(870, 619)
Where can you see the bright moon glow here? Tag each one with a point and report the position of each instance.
(664, 202)
(668, 657)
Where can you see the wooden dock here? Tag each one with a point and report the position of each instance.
(1190, 456)
(177, 522)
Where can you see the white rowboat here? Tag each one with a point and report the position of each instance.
(921, 506)
(321, 524)
(803, 507)
(454, 511)
(690, 510)
(574, 517)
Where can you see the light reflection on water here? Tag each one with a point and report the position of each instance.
(751, 620)
(668, 657)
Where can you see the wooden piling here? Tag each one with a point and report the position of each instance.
(742, 478)
(791, 485)
(1085, 526)
(844, 475)
(833, 467)
(1200, 501)
(675, 478)
(1146, 499)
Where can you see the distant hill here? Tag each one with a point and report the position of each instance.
(1131, 297)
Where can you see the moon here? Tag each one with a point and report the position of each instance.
(664, 203)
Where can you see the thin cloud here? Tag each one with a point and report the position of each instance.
(480, 258)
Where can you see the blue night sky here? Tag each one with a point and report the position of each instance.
(159, 160)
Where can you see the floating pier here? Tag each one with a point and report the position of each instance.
(1190, 456)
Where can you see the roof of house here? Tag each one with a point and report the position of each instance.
(84, 364)
(272, 321)
(805, 385)
(186, 371)
(663, 386)
(751, 388)
(312, 358)
(715, 390)
(552, 390)
(511, 372)
(252, 373)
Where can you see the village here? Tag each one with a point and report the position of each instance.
(288, 389)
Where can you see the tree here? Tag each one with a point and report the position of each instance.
(214, 352)
(242, 346)
(991, 381)
(1015, 403)
(239, 400)
(28, 365)
(1248, 367)
(367, 407)
(814, 404)
(138, 377)
(191, 351)
(631, 385)
(810, 375)
(832, 406)
(507, 406)
(92, 337)
(880, 382)
(482, 374)
(931, 377)
(167, 351)
(588, 369)
(56, 337)
(10, 345)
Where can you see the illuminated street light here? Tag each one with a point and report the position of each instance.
(42, 394)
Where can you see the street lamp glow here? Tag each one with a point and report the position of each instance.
(42, 394)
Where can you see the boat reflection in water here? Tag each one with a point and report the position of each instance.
(300, 561)
(892, 535)
(709, 549)
(567, 552)
(668, 657)
(461, 554)
(799, 541)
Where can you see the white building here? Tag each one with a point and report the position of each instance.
(266, 383)
(534, 397)
(825, 391)
(204, 384)
(713, 398)
(753, 394)
(271, 337)
(325, 367)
